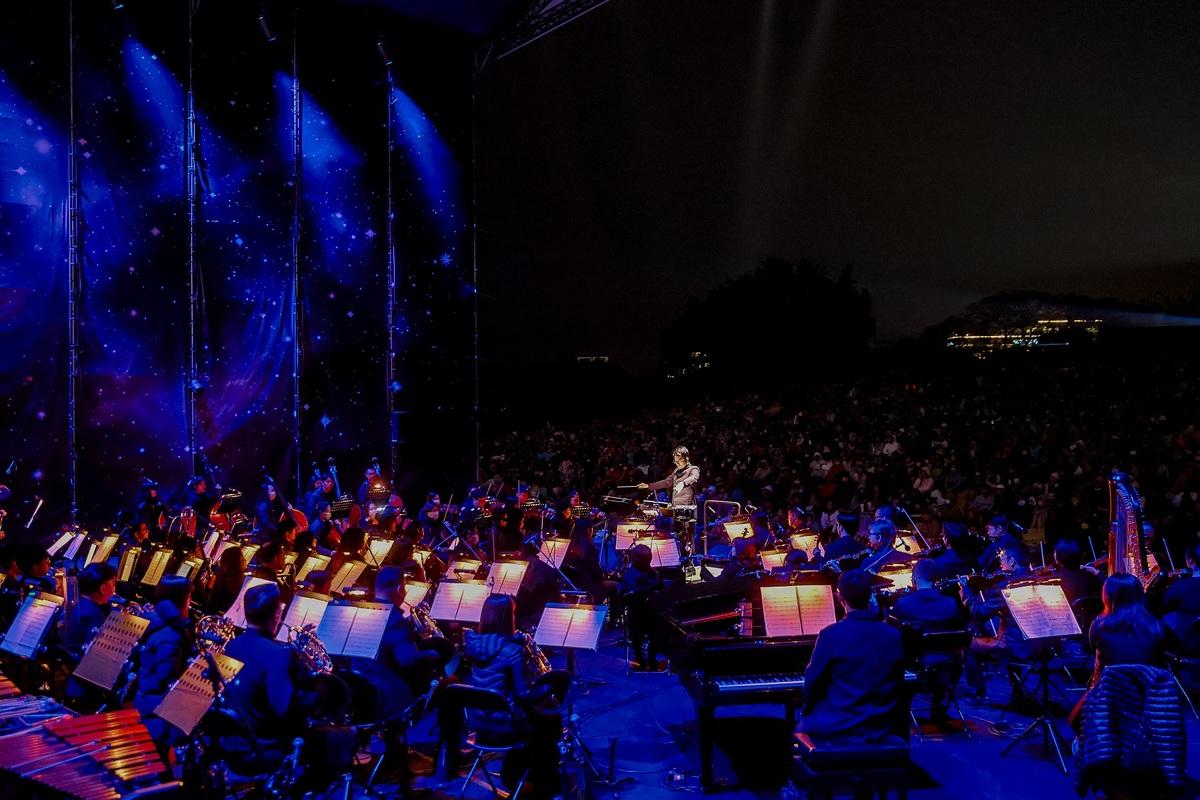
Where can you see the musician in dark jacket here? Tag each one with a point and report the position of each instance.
(1000, 538)
(928, 610)
(262, 695)
(638, 582)
(97, 586)
(498, 660)
(1183, 596)
(846, 527)
(881, 539)
(167, 645)
(853, 680)
(34, 564)
(1076, 582)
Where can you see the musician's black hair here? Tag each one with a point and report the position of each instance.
(286, 524)
(497, 615)
(641, 556)
(269, 552)
(354, 540)
(261, 603)
(175, 588)
(925, 570)
(388, 581)
(885, 529)
(1067, 553)
(29, 556)
(94, 576)
(855, 589)
(999, 521)
(850, 521)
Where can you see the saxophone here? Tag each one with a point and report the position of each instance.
(535, 659)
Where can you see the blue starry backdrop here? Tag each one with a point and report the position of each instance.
(131, 72)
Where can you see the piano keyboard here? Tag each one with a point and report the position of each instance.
(784, 681)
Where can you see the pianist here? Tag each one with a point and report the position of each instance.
(853, 680)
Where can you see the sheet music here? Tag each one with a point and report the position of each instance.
(158, 565)
(781, 611)
(415, 593)
(192, 695)
(237, 612)
(816, 608)
(105, 549)
(188, 565)
(421, 555)
(459, 601)
(26, 632)
(248, 552)
(347, 575)
(805, 541)
(900, 578)
(1041, 611)
(664, 552)
(378, 551)
(289, 559)
(73, 547)
(627, 533)
(506, 576)
(553, 551)
(58, 544)
(571, 626)
(210, 544)
(91, 552)
(738, 530)
(774, 559)
(111, 648)
(353, 630)
(306, 609)
(315, 561)
(128, 563)
(370, 622)
(463, 569)
(221, 547)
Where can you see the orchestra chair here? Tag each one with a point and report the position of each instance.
(948, 650)
(222, 726)
(1185, 665)
(485, 745)
(826, 766)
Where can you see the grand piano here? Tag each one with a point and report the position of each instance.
(719, 667)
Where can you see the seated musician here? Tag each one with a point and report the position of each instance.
(270, 509)
(497, 658)
(1008, 643)
(166, 647)
(401, 649)
(270, 563)
(322, 527)
(1076, 582)
(429, 518)
(97, 586)
(958, 558)
(33, 563)
(928, 610)
(285, 534)
(852, 685)
(1125, 632)
(845, 525)
(1000, 538)
(264, 694)
(136, 534)
(227, 582)
(745, 559)
(637, 583)
(1181, 603)
(881, 538)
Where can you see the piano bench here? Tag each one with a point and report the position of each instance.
(824, 766)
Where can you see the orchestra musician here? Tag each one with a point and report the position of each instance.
(1009, 643)
(270, 563)
(148, 505)
(97, 586)
(33, 564)
(638, 582)
(265, 695)
(956, 560)
(227, 582)
(200, 497)
(1182, 599)
(1076, 581)
(167, 643)
(853, 680)
(497, 658)
(881, 538)
(270, 509)
(322, 492)
(1000, 538)
(429, 518)
(925, 609)
(845, 525)
(682, 482)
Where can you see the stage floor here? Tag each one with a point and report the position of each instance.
(648, 722)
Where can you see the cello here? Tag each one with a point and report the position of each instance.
(290, 511)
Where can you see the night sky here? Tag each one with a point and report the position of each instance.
(946, 149)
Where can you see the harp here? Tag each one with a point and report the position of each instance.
(1126, 544)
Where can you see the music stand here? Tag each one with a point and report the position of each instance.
(415, 593)
(1041, 611)
(109, 651)
(315, 561)
(346, 576)
(738, 530)
(59, 544)
(128, 564)
(459, 602)
(237, 612)
(190, 697)
(774, 559)
(797, 610)
(554, 552)
(29, 627)
(378, 550)
(354, 629)
(663, 552)
(463, 568)
(72, 551)
(158, 565)
(101, 554)
(627, 534)
(306, 608)
(506, 577)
